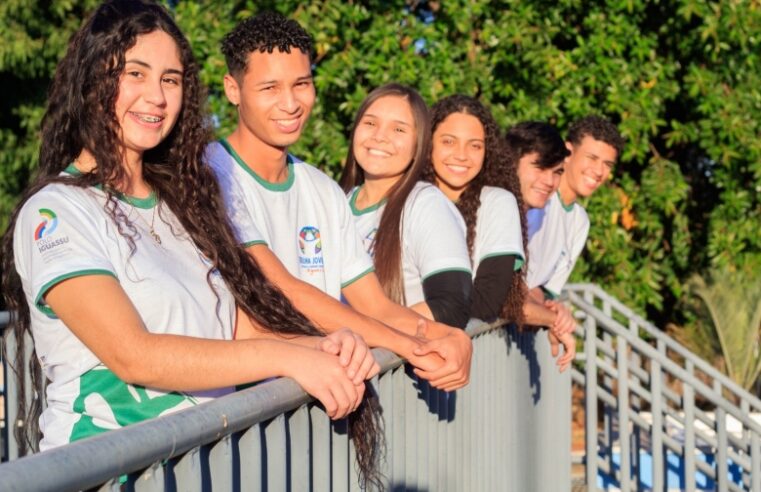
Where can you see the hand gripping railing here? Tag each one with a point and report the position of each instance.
(274, 437)
(659, 400)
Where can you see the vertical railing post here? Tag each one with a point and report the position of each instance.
(590, 370)
(609, 416)
(689, 430)
(755, 462)
(722, 473)
(623, 412)
(656, 429)
(636, 405)
(11, 396)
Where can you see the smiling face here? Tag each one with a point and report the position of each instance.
(537, 184)
(274, 96)
(385, 138)
(150, 93)
(458, 152)
(588, 166)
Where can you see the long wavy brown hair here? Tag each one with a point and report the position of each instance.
(495, 172)
(387, 245)
(80, 115)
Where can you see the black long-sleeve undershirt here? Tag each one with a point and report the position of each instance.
(491, 287)
(448, 297)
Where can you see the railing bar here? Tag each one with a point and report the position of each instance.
(689, 433)
(623, 414)
(656, 431)
(400, 382)
(577, 376)
(673, 368)
(755, 459)
(220, 464)
(385, 386)
(722, 471)
(590, 349)
(339, 452)
(352, 468)
(434, 429)
(321, 448)
(150, 480)
(187, 471)
(708, 470)
(300, 447)
(659, 335)
(411, 425)
(423, 432)
(113, 485)
(275, 440)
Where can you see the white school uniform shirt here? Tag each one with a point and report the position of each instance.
(433, 236)
(305, 220)
(557, 234)
(63, 232)
(498, 228)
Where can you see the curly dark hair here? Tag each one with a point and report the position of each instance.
(388, 241)
(535, 136)
(495, 172)
(80, 115)
(598, 128)
(263, 32)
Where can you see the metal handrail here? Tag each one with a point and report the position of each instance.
(275, 434)
(620, 370)
(667, 364)
(637, 322)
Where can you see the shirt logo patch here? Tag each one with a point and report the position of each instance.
(43, 236)
(369, 241)
(48, 224)
(310, 247)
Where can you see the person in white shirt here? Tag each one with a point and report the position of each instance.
(467, 165)
(121, 263)
(312, 247)
(558, 231)
(414, 233)
(536, 154)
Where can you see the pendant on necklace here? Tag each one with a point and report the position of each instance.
(155, 236)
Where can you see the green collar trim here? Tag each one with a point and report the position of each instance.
(146, 203)
(362, 211)
(284, 186)
(568, 207)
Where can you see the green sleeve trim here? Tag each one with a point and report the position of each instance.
(351, 281)
(44, 308)
(548, 294)
(519, 260)
(447, 270)
(248, 244)
(284, 186)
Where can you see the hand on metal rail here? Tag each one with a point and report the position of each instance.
(564, 320)
(353, 354)
(324, 377)
(568, 342)
(456, 349)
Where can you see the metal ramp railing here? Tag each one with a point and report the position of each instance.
(657, 417)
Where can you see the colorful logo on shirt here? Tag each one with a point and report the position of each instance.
(309, 239)
(48, 224)
(310, 249)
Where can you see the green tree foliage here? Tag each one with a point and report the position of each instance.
(681, 78)
(728, 323)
